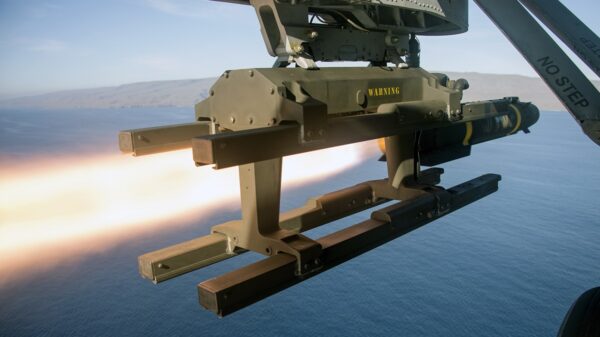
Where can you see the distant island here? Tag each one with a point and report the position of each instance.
(185, 93)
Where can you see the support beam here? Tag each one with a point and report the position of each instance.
(400, 154)
(229, 149)
(141, 142)
(259, 230)
(169, 262)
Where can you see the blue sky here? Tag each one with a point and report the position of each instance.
(69, 44)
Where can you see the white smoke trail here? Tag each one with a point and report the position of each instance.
(67, 208)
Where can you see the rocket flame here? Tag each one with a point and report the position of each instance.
(67, 202)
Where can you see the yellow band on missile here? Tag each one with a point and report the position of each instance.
(518, 123)
(468, 133)
(381, 143)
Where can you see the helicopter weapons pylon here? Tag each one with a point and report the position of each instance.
(254, 117)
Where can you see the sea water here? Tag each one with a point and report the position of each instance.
(508, 265)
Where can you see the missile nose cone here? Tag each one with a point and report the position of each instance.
(531, 115)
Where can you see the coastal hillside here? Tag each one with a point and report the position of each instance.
(184, 93)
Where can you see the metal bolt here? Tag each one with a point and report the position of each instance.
(232, 120)
(250, 120)
(361, 98)
(272, 91)
(251, 73)
(313, 35)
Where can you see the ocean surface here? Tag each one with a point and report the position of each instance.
(508, 265)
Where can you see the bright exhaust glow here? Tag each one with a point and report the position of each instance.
(72, 202)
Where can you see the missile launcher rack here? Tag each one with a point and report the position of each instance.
(255, 117)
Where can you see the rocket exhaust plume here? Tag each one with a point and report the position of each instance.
(72, 203)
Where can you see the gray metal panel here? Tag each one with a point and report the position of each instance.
(569, 29)
(344, 30)
(567, 82)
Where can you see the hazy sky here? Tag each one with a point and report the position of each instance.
(66, 44)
